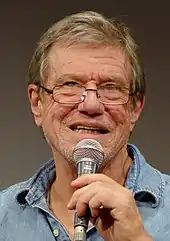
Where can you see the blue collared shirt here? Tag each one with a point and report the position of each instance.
(25, 213)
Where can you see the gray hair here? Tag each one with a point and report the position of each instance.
(89, 28)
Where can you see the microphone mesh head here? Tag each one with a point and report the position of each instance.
(89, 148)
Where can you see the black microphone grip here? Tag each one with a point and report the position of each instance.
(85, 166)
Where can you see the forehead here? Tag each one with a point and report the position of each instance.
(89, 62)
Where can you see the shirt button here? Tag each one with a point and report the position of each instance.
(56, 232)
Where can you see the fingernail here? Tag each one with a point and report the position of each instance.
(74, 180)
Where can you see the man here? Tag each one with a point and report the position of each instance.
(86, 82)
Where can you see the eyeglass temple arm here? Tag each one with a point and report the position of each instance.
(44, 88)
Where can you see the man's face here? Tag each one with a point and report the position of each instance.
(65, 125)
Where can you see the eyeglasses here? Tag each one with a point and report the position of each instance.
(72, 92)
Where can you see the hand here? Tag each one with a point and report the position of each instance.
(113, 209)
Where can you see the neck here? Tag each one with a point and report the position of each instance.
(119, 168)
(65, 174)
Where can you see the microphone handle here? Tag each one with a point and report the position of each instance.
(80, 226)
(85, 166)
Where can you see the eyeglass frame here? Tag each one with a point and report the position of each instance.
(51, 92)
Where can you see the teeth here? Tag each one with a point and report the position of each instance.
(86, 131)
(87, 128)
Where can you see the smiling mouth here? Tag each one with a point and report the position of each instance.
(88, 130)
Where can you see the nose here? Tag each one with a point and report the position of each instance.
(91, 104)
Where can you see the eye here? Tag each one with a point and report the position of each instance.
(113, 87)
(109, 86)
(70, 83)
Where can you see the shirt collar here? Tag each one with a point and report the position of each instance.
(145, 182)
(38, 185)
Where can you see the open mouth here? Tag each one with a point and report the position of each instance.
(88, 130)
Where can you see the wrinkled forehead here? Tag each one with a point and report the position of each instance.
(89, 62)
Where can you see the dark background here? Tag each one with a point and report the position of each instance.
(22, 23)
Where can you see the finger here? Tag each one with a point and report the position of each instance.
(90, 178)
(95, 212)
(95, 206)
(88, 199)
(94, 195)
(82, 203)
(81, 195)
(81, 208)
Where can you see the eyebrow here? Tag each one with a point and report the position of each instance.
(115, 79)
(81, 77)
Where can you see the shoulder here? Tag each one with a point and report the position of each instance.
(16, 214)
(166, 178)
(160, 182)
(9, 196)
(15, 188)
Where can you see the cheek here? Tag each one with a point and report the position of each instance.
(54, 113)
(120, 115)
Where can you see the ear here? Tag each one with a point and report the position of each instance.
(36, 104)
(136, 111)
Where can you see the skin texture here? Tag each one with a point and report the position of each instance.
(91, 66)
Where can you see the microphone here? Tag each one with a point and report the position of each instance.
(88, 156)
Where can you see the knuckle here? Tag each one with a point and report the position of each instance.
(77, 193)
(82, 199)
(92, 203)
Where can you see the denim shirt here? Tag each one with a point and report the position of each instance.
(25, 214)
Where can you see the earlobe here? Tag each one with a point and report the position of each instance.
(36, 104)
